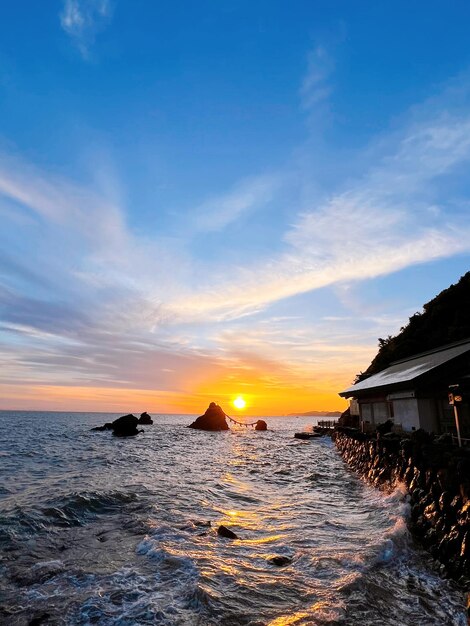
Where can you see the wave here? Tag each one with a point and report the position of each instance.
(77, 509)
(71, 510)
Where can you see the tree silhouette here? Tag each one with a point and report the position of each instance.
(444, 319)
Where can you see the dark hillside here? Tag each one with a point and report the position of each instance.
(446, 318)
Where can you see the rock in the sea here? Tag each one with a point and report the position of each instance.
(107, 426)
(125, 426)
(280, 561)
(213, 419)
(39, 619)
(261, 425)
(145, 418)
(223, 531)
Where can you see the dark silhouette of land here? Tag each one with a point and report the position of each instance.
(444, 319)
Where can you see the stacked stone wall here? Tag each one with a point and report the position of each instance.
(437, 478)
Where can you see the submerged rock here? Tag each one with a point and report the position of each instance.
(223, 531)
(39, 619)
(261, 425)
(213, 419)
(145, 418)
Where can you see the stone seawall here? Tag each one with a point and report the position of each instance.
(437, 477)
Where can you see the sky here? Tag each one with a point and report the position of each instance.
(201, 200)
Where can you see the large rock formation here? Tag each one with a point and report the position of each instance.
(213, 419)
(145, 418)
(126, 426)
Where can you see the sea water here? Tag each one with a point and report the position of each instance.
(96, 529)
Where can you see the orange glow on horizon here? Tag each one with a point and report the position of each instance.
(267, 388)
(262, 400)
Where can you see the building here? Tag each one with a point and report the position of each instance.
(414, 392)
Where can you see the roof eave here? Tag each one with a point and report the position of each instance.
(358, 393)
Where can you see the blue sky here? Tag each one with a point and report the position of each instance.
(213, 198)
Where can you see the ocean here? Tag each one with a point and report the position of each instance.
(96, 529)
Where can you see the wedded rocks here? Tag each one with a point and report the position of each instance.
(213, 419)
(261, 425)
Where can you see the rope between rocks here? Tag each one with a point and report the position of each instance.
(240, 423)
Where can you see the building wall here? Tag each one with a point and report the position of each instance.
(354, 407)
(374, 412)
(428, 414)
(366, 412)
(406, 413)
(381, 413)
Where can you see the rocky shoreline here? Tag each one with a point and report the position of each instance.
(437, 478)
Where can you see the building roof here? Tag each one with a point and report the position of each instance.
(408, 370)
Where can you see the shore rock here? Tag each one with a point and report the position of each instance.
(261, 425)
(348, 420)
(145, 418)
(213, 419)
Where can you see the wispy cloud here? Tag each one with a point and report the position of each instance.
(85, 300)
(384, 222)
(247, 196)
(316, 88)
(83, 19)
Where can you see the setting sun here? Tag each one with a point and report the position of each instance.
(239, 403)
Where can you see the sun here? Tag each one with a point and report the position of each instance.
(239, 403)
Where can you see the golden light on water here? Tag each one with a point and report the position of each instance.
(239, 403)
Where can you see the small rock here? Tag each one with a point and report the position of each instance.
(280, 561)
(223, 531)
(36, 621)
